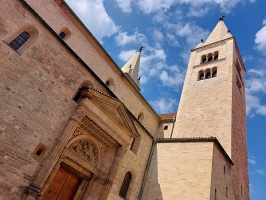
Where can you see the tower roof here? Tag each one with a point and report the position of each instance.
(220, 32)
(132, 67)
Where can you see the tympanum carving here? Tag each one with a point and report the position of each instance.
(85, 149)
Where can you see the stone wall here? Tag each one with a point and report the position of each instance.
(180, 171)
(37, 87)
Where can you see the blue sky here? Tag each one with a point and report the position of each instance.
(168, 30)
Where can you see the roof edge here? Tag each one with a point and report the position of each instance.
(197, 139)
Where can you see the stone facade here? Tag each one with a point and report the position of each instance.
(58, 116)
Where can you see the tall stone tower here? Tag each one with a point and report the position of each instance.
(206, 157)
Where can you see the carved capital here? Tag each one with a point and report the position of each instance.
(121, 151)
(33, 191)
(78, 115)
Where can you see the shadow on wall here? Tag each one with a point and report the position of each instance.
(152, 188)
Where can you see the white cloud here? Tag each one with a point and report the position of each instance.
(252, 161)
(157, 35)
(197, 7)
(173, 76)
(255, 89)
(260, 39)
(251, 188)
(172, 40)
(126, 55)
(125, 5)
(164, 105)
(123, 38)
(260, 172)
(94, 16)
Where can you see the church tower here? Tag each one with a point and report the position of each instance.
(131, 69)
(213, 100)
(206, 157)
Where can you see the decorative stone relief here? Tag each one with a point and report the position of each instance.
(86, 150)
(91, 128)
(103, 151)
(77, 131)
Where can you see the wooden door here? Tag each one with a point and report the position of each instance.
(63, 187)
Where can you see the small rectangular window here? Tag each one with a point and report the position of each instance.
(165, 127)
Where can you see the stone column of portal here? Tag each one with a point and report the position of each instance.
(109, 181)
(34, 188)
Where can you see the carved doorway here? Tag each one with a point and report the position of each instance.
(63, 187)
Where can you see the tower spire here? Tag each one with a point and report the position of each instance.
(220, 32)
(131, 69)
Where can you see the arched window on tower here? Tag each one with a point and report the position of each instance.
(201, 75)
(125, 185)
(207, 74)
(209, 57)
(203, 59)
(21, 39)
(214, 72)
(215, 55)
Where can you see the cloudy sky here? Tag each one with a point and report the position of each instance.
(168, 30)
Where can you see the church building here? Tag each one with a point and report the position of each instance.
(74, 125)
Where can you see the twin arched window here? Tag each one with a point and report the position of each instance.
(209, 57)
(207, 73)
(125, 185)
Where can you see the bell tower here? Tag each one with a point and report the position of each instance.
(212, 103)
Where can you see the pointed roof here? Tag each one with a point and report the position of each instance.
(132, 67)
(220, 32)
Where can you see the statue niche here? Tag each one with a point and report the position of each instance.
(85, 149)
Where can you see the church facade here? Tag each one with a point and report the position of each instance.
(73, 125)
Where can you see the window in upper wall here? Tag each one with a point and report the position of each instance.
(209, 57)
(62, 35)
(214, 71)
(21, 39)
(141, 117)
(165, 127)
(125, 185)
(109, 83)
(226, 192)
(201, 75)
(135, 144)
(215, 55)
(207, 74)
(239, 86)
(203, 59)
